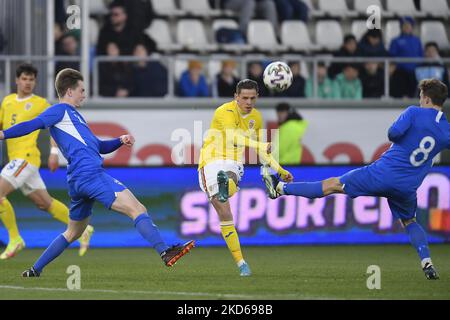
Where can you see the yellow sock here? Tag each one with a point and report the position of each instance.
(59, 211)
(232, 239)
(232, 188)
(9, 219)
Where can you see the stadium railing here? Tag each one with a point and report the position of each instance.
(171, 100)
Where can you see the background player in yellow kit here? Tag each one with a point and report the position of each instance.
(235, 125)
(22, 171)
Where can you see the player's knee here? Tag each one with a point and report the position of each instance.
(407, 222)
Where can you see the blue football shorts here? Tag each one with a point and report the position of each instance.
(84, 191)
(364, 182)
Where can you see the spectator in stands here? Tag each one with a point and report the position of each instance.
(297, 88)
(249, 9)
(255, 73)
(193, 82)
(435, 69)
(348, 50)
(115, 77)
(69, 47)
(407, 45)
(372, 78)
(226, 80)
(348, 83)
(150, 78)
(142, 13)
(58, 34)
(372, 45)
(288, 141)
(401, 84)
(119, 30)
(292, 9)
(326, 88)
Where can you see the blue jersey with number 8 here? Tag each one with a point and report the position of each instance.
(418, 135)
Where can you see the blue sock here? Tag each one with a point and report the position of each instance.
(310, 190)
(150, 232)
(418, 239)
(54, 250)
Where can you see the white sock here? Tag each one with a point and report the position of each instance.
(241, 262)
(279, 187)
(425, 261)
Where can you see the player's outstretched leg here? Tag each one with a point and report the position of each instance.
(60, 212)
(74, 230)
(230, 235)
(127, 203)
(418, 239)
(311, 190)
(8, 217)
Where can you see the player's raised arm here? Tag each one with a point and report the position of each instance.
(108, 146)
(22, 129)
(401, 125)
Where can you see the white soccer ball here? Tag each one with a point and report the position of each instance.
(277, 76)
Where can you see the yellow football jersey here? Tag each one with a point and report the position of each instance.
(14, 110)
(228, 118)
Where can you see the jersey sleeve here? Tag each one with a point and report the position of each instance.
(52, 115)
(108, 146)
(401, 125)
(2, 113)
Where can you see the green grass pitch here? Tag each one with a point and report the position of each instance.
(295, 272)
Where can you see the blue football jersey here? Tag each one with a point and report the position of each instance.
(418, 135)
(74, 138)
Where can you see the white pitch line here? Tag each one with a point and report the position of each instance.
(179, 293)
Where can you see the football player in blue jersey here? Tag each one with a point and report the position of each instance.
(87, 179)
(417, 136)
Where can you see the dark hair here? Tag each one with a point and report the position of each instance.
(26, 68)
(117, 3)
(434, 89)
(65, 79)
(350, 65)
(247, 84)
(349, 37)
(432, 44)
(375, 33)
(292, 113)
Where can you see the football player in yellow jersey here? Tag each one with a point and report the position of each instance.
(22, 171)
(235, 125)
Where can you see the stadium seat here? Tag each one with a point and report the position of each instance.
(329, 34)
(435, 8)
(166, 8)
(392, 31)
(312, 10)
(362, 5)
(159, 31)
(434, 31)
(192, 35)
(336, 8)
(198, 7)
(359, 28)
(403, 7)
(97, 7)
(230, 24)
(294, 34)
(180, 66)
(261, 35)
(93, 31)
